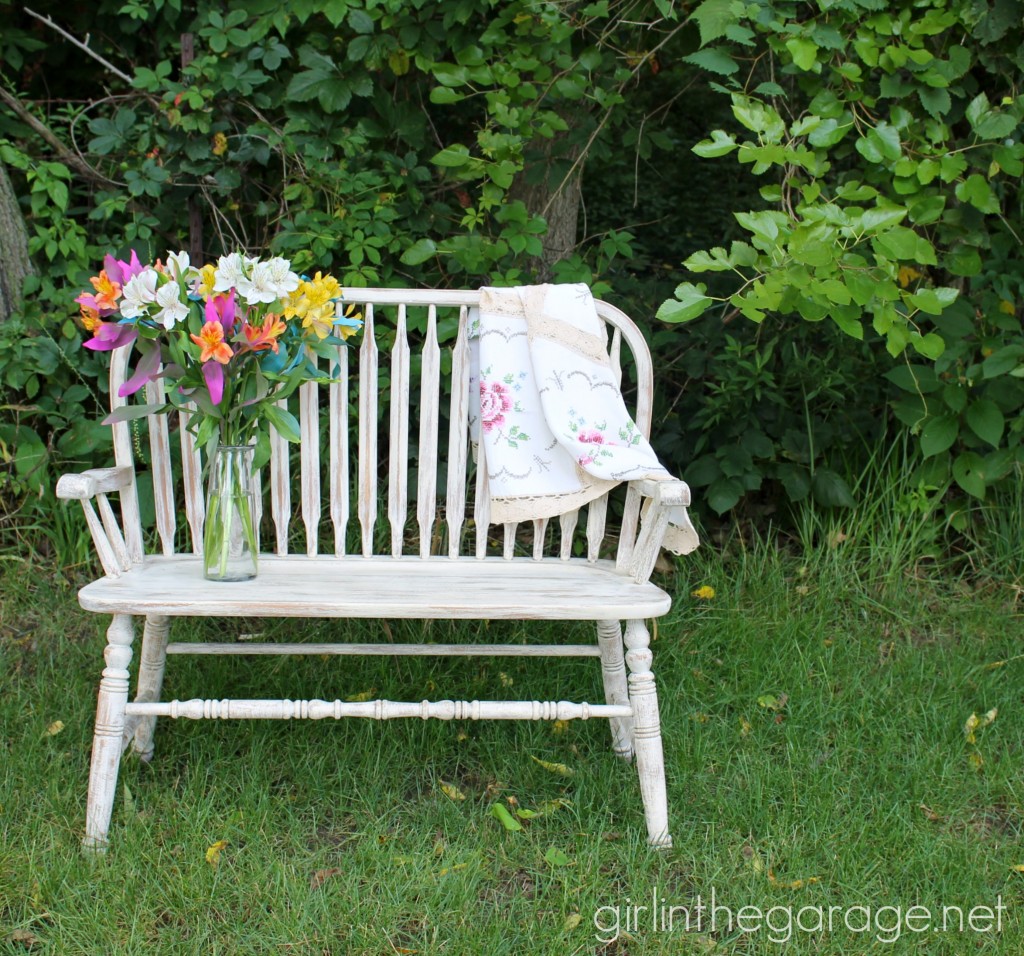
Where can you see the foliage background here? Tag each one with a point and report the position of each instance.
(870, 231)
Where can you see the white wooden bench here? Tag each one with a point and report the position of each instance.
(443, 561)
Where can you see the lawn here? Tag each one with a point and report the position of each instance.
(814, 724)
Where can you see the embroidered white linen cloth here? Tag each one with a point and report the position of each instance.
(545, 402)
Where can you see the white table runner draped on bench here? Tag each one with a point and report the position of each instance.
(545, 401)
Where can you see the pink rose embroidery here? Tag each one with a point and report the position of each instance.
(591, 437)
(494, 402)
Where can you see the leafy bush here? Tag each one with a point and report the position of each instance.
(893, 144)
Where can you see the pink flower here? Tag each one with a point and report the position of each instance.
(591, 437)
(494, 402)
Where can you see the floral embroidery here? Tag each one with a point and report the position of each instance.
(593, 435)
(494, 404)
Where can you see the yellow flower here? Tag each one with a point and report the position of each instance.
(207, 279)
(704, 593)
(90, 319)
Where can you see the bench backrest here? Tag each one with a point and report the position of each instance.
(424, 446)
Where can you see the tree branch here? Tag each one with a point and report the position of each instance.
(67, 156)
(82, 46)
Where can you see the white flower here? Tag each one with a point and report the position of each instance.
(281, 276)
(260, 286)
(172, 309)
(230, 271)
(177, 264)
(138, 293)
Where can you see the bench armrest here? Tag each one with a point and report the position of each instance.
(95, 481)
(104, 528)
(671, 493)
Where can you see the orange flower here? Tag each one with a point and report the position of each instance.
(260, 337)
(107, 291)
(211, 339)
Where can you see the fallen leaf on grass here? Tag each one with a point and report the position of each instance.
(362, 697)
(793, 884)
(556, 857)
(322, 876)
(55, 728)
(560, 768)
(559, 726)
(1019, 867)
(975, 723)
(452, 792)
(214, 851)
(505, 818)
(571, 922)
(453, 869)
(930, 813)
(27, 938)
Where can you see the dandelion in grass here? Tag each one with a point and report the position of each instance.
(704, 593)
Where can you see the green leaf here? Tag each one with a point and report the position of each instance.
(451, 156)
(933, 301)
(964, 261)
(501, 814)
(129, 413)
(831, 490)
(970, 473)
(360, 21)
(976, 191)
(829, 132)
(283, 421)
(690, 302)
(555, 857)
(939, 434)
(986, 421)
(1002, 361)
(803, 51)
(713, 18)
(795, 480)
(903, 243)
(419, 252)
(443, 95)
(886, 140)
(914, 378)
(724, 493)
(719, 144)
(936, 101)
(714, 59)
(879, 218)
(931, 346)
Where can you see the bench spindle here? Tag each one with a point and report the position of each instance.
(426, 469)
(339, 451)
(367, 508)
(398, 454)
(458, 438)
(309, 459)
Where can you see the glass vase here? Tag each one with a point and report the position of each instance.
(230, 539)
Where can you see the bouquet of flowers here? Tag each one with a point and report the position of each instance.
(232, 338)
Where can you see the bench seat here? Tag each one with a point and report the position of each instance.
(381, 587)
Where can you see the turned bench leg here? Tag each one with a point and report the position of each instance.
(650, 758)
(152, 659)
(616, 690)
(108, 739)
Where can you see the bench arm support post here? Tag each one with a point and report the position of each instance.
(93, 486)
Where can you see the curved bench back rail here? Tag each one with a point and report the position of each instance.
(409, 486)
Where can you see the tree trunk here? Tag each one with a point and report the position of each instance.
(535, 186)
(14, 260)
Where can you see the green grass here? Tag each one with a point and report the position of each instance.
(813, 723)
